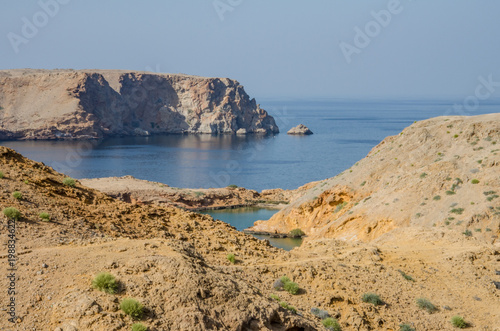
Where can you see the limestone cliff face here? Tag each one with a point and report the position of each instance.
(440, 173)
(54, 104)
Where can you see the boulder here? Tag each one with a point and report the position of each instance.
(300, 129)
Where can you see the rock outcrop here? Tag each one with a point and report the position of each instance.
(300, 129)
(74, 104)
(441, 172)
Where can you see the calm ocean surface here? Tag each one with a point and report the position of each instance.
(344, 132)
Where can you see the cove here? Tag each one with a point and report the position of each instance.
(243, 218)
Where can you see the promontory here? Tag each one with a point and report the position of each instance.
(76, 104)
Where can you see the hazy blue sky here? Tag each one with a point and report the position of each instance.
(273, 47)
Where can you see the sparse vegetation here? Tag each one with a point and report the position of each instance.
(491, 197)
(423, 303)
(291, 287)
(18, 195)
(199, 194)
(12, 213)
(68, 181)
(423, 175)
(458, 322)
(274, 297)
(278, 284)
(287, 306)
(372, 298)
(405, 327)
(467, 233)
(132, 307)
(231, 258)
(1, 175)
(139, 327)
(487, 230)
(232, 186)
(458, 211)
(296, 233)
(406, 276)
(284, 279)
(331, 324)
(450, 192)
(322, 314)
(437, 197)
(45, 217)
(340, 206)
(105, 282)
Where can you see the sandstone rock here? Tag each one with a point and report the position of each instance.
(300, 129)
(79, 104)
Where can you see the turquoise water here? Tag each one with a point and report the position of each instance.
(344, 132)
(243, 218)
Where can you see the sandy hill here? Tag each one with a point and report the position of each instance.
(175, 262)
(71, 104)
(442, 172)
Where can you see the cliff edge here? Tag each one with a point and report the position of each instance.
(75, 104)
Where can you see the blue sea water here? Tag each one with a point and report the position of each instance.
(344, 132)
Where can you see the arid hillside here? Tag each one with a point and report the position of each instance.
(176, 263)
(441, 173)
(73, 104)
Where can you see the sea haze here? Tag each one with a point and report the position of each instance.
(344, 132)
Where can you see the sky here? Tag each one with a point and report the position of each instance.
(275, 48)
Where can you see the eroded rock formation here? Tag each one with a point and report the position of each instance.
(58, 104)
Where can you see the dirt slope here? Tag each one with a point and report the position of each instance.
(442, 172)
(175, 263)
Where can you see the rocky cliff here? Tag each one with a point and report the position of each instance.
(442, 173)
(58, 104)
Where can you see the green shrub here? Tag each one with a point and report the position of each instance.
(437, 197)
(474, 181)
(1, 174)
(423, 303)
(287, 306)
(467, 233)
(291, 287)
(372, 298)
(26, 181)
(231, 258)
(232, 186)
(405, 327)
(450, 192)
(132, 307)
(285, 279)
(12, 213)
(69, 182)
(406, 276)
(296, 233)
(18, 195)
(139, 327)
(458, 322)
(274, 297)
(491, 197)
(45, 217)
(423, 175)
(105, 282)
(331, 324)
(489, 192)
(458, 211)
(363, 183)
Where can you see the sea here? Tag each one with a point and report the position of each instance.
(345, 130)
